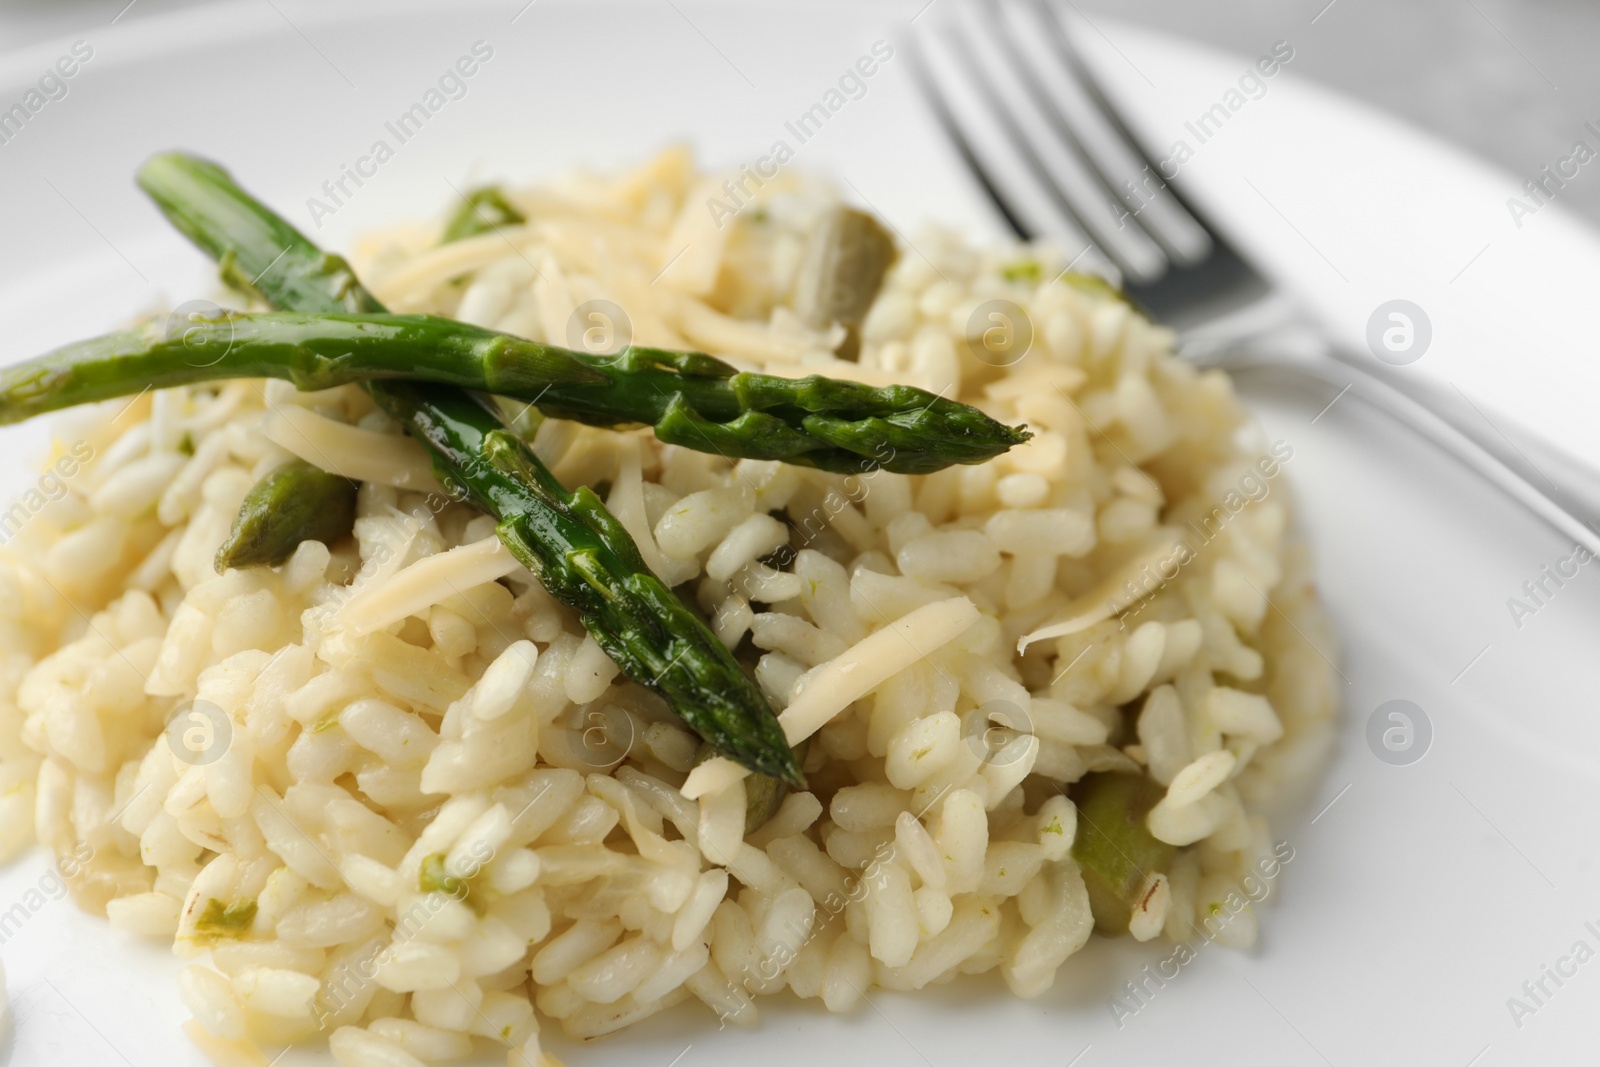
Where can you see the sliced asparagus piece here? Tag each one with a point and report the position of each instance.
(581, 554)
(1113, 848)
(294, 503)
(848, 252)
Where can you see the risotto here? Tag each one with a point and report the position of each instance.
(391, 795)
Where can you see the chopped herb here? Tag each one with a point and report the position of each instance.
(186, 444)
(1023, 270)
(434, 878)
(1054, 827)
(1093, 283)
(484, 210)
(225, 920)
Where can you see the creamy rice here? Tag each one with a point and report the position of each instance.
(407, 803)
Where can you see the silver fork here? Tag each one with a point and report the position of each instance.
(1058, 162)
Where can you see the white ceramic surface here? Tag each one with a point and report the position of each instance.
(1419, 898)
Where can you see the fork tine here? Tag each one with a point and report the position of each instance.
(1226, 278)
(952, 128)
(1065, 172)
(1122, 155)
(1205, 276)
(1022, 200)
(1078, 115)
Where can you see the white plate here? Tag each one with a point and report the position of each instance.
(1420, 898)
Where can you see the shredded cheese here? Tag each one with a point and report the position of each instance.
(357, 454)
(848, 677)
(425, 583)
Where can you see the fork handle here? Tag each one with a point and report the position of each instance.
(1536, 474)
(1547, 481)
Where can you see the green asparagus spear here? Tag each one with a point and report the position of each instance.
(295, 275)
(587, 561)
(1113, 848)
(571, 543)
(312, 351)
(691, 399)
(294, 503)
(481, 210)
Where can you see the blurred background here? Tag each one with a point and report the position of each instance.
(1513, 80)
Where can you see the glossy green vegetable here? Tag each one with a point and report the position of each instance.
(336, 332)
(1113, 849)
(581, 554)
(690, 398)
(699, 402)
(586, 560)
(312, 351)
(481, 210)
(294, 503)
